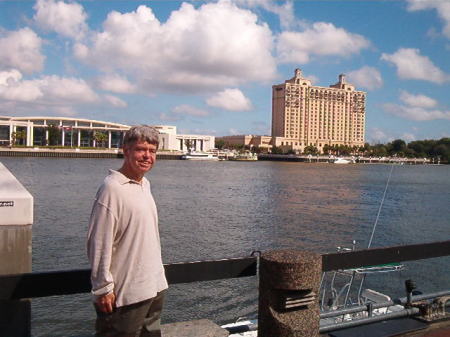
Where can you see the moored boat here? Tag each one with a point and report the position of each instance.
(199, 156)
(244, 157)
(343, 161)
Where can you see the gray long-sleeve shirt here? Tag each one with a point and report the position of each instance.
(123, 241)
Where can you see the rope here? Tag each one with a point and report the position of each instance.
(379, 209)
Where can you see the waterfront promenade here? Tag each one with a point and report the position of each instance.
(75, 153)
(117, 153)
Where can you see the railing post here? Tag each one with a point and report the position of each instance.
(288, 294)
(16, 218)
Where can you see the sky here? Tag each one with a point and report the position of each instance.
(208, 67)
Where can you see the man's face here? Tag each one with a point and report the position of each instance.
(140, 156)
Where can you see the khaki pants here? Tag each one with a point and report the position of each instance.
(135, 320)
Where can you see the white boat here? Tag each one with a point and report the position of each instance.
(244, 157)
(199, 156)
(342, 161)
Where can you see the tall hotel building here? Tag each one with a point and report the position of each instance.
(303, 114)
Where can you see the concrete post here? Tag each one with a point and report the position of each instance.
(288, 294)
(16, 219)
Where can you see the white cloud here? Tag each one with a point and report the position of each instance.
(284, 11)
(366, 77)
(10, 76)
(21, 50)
(185, 131)
(313, 78)
(189, 110)
(441, 6)
(416, 107)
(376, 135)
(68, 111)
(415, 113)
(182, 111)
(321, 39)
(195, 50)
(12, 88)
(64, 89)
(66, 19)
(116, 83)
(115, 101)
(49, 94)
(260, 128)
(420, 101)
(230, 99)
(169, 117)
(408, 137)
(411, 65)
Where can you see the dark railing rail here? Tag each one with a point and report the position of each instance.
(42, 284)
(53, 283)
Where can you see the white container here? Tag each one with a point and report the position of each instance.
(16, 203)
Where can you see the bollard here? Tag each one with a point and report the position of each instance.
(288, 294)
(16, 218)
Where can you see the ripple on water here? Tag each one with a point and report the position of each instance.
(228, 209)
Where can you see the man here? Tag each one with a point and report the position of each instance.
(124, 247)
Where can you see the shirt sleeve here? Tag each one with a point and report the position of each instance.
(100, 242)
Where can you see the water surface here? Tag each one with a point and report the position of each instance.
(211, 210)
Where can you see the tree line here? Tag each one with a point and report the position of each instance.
(429, 148)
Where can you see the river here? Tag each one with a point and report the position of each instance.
(211, 210)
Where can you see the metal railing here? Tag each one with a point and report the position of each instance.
(42, 284)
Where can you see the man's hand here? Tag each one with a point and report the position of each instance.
(106, 303)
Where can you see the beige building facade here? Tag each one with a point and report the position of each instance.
(252, 141)
(307, 115)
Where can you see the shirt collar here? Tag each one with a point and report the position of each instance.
(122, 179)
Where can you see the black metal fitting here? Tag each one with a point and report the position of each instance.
(410, 285)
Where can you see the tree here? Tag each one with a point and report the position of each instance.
(380, 150)
(310, 149)
(189, 144)
(54, 135)
(344, 150)
(100, 138)
(442, 152)
(398, 146)
(277, 150)
(237, 147)
(219, 144)
(18, 137)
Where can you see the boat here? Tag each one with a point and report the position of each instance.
(342, 161)
(340, 291)
(336, 296)
(248, 156)
(199, 156)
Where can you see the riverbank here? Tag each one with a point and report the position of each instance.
(168, 155)
(75, 153)
(351, 159)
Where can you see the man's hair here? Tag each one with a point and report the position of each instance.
(143, 133)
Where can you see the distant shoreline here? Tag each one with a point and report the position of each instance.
(75, 153)
(166, 155)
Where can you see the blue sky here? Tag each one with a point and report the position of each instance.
(208, 66)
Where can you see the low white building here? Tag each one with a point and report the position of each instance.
(79, 133)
